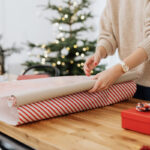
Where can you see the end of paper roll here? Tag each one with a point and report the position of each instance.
(11, 101)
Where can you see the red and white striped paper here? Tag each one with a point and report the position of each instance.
(75, 103)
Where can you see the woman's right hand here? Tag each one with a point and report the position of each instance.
(94, 60)
(91, 63)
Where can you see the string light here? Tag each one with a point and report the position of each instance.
(78, 65)
(82, 17)
(87, 48)
(75, 46)
(63, 56)
(54, 64)
(77, 53)
(84, 49)
(60, 9)
(43, 46)
(73, 18)
(63, 19)
(75, 4)
(58, 62)
(45, 54)
(43, 61)
(82, 64)
(82, 55)
(63, 63)
(66, 16)
(68, 48)
(63, 39)
(56, 24)
(92, 72)
(57, 42)
(71, 61)
(48, 50)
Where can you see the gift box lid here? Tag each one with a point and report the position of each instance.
(136, 115)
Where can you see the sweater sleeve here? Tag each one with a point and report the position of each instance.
(146, 42)
(106, 37)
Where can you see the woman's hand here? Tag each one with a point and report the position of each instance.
(91, 63)
(94, 60)
(106, 78)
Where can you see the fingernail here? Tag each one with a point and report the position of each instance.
(96, 63)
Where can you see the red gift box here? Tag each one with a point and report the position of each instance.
(28, 77)
(136, 121)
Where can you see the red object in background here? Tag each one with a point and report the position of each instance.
(145, 148)
(136, 121)
(29, 77)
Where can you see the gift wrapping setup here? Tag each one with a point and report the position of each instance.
(37, 99)
(137, 119)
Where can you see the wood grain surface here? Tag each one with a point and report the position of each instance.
(98, 129)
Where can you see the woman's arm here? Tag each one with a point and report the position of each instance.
(106, 42)
(109, 76)
(142, 53)
(106, 38)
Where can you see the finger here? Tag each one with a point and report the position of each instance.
(87, 72)
(96, 86)
(86, 67)
(95, 77)
(91, 66)
(102, 88)
(89, 60)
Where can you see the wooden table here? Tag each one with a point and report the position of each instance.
(98, 129)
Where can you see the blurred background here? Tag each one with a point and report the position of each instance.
(25, 22)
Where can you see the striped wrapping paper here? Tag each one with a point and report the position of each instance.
(74, 103)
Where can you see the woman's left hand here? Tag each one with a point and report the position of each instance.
(106, 78)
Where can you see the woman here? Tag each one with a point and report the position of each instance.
(124, 24)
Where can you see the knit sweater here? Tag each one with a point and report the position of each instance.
(125, 25)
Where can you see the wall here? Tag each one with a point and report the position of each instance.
(23, 20)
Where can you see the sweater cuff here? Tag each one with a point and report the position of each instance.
(146, 45)
(107, 45)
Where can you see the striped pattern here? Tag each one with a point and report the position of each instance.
(75, 103)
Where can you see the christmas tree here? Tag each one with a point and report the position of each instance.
(70, 47)
(5, 52)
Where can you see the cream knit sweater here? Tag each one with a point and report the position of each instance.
(125, 24)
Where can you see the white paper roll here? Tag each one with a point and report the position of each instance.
(52, 91)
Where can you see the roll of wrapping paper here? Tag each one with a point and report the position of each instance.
(59, 106)
(43, 89)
